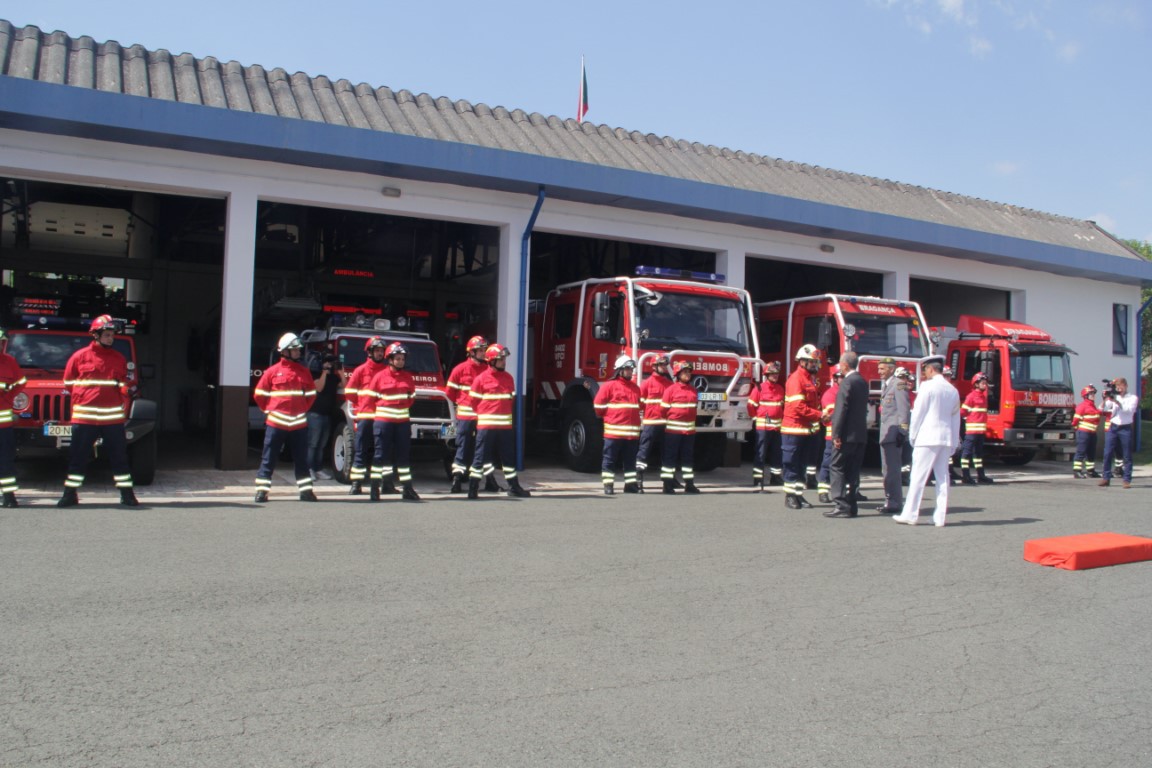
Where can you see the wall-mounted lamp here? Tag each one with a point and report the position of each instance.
(827, 247)
(390, 192)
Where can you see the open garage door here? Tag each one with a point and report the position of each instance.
(944, 302)
(770, 280)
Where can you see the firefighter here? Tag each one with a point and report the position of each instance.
(975, 412)
(100, 385)
(827, 408)
(285, 393)
(618, 403)
(392, 389)
(363, 407)
(678, 407)
(493, 395)
(652, 423)
(459, 392)
(12, 381)
(801, 421)
(1085, 421)
(766, 407)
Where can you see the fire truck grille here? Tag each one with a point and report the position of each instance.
(429, 409)
(51, 407)
(1043, 418)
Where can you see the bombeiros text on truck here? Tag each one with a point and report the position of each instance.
(692, 316)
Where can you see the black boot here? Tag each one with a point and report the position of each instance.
(982, 478)
(69, 499)
(690, 487)
(128, 498)
(261, 497)
(410, 493)
(356, 488)
(1079, 474)
(803, 502)
(388, 488)
(10, 500)
(609, 490)
(669, 486)
(490, 484)
(457, 483)
(308, 495)
(374, 491)
(790, 501)
(776, 479)
(758, 482)
(966, 477)
(473, 487)
(676, 484)
(631, 488)
(823, 497)
(1093, 473)
(515, 491)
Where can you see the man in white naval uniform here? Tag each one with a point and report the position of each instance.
(934, 430)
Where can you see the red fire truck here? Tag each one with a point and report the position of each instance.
(872, 327)
(690, 316)
(43, 410)
(1030, 395)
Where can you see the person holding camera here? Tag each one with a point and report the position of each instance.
(1085, 421)
(1121, 407)
(326, 377)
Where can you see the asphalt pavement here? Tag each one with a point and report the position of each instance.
(569, 629)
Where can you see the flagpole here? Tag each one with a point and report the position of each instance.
(580, 99)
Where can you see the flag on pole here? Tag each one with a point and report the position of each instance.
(582, 107)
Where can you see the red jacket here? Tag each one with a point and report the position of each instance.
(828, 407)
(618, 403)
(12, 381)
(285, 392)
(98, 378)
(1087, 416)
(766, 406)
(460, 386)
(392, 391)
(493, 394)
(651, 394)
(801, 404)
(975, 412)
(678, 407)
(363, 404)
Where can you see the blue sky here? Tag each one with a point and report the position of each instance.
(1043, 104)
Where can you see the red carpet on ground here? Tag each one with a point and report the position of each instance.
(1088, 550)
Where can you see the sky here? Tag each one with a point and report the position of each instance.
(1042, 104)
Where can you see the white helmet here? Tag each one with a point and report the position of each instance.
(808, 352)
(624, 361)
(288, 341)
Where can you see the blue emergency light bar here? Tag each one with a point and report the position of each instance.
(681, 274)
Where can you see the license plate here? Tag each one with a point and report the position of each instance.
(447, 431)
(713, 396)
(58, 430)
(1052, 436)
(709, 405)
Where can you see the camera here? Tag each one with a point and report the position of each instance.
(1109, 391)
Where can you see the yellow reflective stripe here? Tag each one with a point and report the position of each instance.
(350, 391)
(776, 403)
(796, 430)
(455, 385)
(403, 396)
(392, 413)
(494, 419)
(283, 420)
(6, 417)
(4, 386)
(793, 398)
(507, 396)
(91, 383)
(620, 406)
(286, 392)
(653, 422)
(615, 430)
(465, 410)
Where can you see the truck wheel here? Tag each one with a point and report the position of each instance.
(709, 452)
(142, 459)
(1017, 458)
(582, 438)
(343, 450)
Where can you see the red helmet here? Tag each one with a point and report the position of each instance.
(395, 348)
(101, 323)
(1088, 391)
(681, 365)
(374, 342)
(979, 378)
(476, 342)
(495, 352)
(772, 367)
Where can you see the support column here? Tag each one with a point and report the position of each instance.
(730, 263)
(1018, 306)
(896, 286)
(236, 331)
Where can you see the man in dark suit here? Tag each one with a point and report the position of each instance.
(849, 436)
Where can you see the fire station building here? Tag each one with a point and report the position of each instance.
(233, 203)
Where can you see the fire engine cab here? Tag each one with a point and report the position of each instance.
(690, 316)
(1030, 396)
(872, 327)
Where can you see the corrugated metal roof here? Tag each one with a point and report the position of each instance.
(81, 62)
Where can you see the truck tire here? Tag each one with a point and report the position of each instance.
(582, 438)
(709, 451)
(1016, 458)
(142, 459)
(343, 450)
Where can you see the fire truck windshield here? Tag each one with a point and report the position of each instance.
(668, 321)
(422, 357)
(50, 351)
(1045, 370)
(886, 335)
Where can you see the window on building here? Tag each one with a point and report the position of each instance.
(1120, 329)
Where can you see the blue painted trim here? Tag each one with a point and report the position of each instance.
(66, 110)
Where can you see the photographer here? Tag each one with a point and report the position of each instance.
(326, 377)
(1121, 407)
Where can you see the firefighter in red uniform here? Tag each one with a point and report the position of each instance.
(100, 384)
(975, 413)
(827, 408)
(493, 396)
(678, 407)
(618, 403)
(459, 392)
(392, 389)
(652, 423)
(766, 407)
(285, 393)
(1085, 421)
(12, 381)
(363, 408)
(801, 422)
